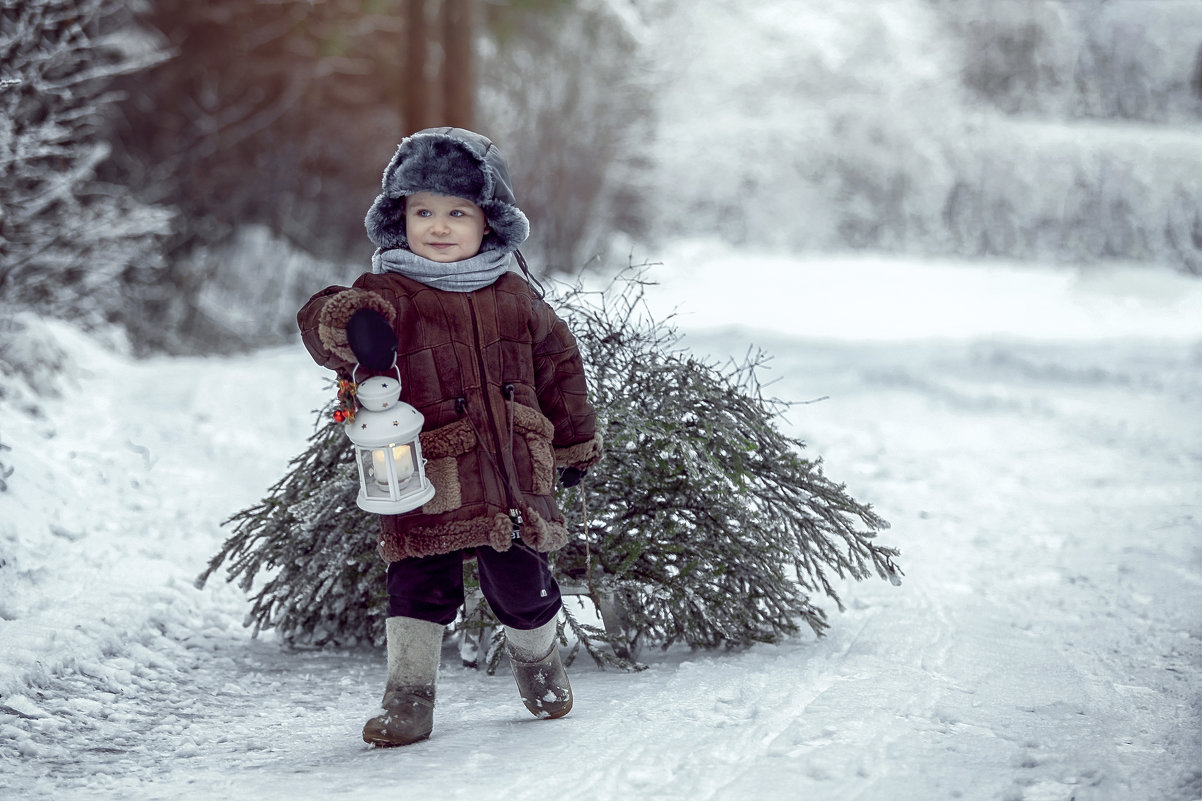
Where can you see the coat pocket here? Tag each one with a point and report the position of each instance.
(532, 451)
(441, 449)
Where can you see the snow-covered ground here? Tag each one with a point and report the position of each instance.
(1034, 435)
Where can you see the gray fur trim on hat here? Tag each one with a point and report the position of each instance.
(448, 161)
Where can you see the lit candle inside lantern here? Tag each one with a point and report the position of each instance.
(401, 460)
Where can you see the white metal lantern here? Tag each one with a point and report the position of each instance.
(388, 450)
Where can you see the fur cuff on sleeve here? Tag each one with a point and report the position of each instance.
(582, 454)
(331, 325)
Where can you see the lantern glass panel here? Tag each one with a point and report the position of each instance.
(384, 465)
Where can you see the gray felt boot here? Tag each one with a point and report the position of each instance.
(542, 680)
(413, 651)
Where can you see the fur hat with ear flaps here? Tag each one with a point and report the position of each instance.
(448, 161)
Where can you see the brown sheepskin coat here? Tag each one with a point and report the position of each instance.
(499, 380)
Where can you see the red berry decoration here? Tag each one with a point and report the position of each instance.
(346, 398)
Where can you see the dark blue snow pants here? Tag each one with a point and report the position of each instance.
(517, 584)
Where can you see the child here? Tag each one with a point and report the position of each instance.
(499, 379)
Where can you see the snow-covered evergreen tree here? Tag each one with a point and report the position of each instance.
(70, 245)
(705, 524)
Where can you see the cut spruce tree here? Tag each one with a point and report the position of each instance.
(703, 524)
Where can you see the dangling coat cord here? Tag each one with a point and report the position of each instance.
(530, 279)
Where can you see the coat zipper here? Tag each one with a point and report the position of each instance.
(515, 512)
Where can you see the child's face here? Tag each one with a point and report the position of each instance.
(444, 228)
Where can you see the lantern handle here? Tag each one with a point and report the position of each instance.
(396, 368)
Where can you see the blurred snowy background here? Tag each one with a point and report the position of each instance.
(191, 170)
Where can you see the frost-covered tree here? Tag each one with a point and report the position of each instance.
(71, 245)
(1041, 130)
(703, 524)
(569, 92)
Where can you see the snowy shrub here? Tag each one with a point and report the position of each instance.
(248, 288)
(5, 472)
(33, 367)
(704, 525)
(1116, 60)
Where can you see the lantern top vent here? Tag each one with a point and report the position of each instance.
(379, 393)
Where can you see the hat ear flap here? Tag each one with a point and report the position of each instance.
(508, 226)
(385, 222)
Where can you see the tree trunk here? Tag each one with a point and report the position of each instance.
(459, 65)
(416, 111)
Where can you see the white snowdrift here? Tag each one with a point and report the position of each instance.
(868, 297)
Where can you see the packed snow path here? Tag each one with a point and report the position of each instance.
(1046, 644)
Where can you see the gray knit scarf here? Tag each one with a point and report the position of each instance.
(468, 275)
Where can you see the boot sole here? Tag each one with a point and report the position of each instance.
(380, 742)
